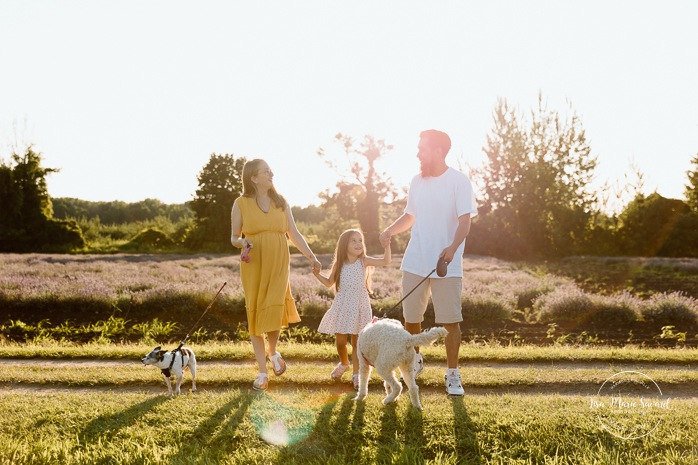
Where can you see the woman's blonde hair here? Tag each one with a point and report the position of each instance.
(249, 189)
(341, 257)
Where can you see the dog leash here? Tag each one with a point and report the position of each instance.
(179, 347)
(441, 270)
(385, 315)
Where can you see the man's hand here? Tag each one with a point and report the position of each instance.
(384, 238)
(447, 254)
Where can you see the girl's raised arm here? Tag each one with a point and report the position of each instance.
(385, 261)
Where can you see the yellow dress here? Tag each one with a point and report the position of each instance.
(265, 279)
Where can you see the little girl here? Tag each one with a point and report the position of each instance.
(351, 309)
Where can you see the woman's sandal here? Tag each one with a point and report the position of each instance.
(355, 380)
(261, 383)
(278, 364)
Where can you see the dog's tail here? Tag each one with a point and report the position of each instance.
(427, 337)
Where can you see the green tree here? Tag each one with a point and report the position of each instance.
(117, 212)
(654, 226)
(537, 200)
(692, 186)
(309, 214)
(683, 239)
(362, 189)
(26, 215)
(220, 183)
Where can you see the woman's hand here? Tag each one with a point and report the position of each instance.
(315, 264)
(242, 243)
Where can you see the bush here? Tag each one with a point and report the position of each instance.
(17, 330)
(674, 309)
(155, 330)
(526, 297)
(615, 311)
(147, 240)
(386, 305)
(565, 306)
(303, 335)
(62, 236)
(481, 310)
(110, 330)
(313, 309)
(647, 223)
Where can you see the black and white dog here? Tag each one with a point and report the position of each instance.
(173, 363)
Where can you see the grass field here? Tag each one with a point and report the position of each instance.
(522, 405)
(237, 426)
(470, 352)
(71, 393)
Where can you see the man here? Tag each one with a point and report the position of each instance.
(440, 205)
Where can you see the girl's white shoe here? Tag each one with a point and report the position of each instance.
(339, 371)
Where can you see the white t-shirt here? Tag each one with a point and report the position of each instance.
(436, 203)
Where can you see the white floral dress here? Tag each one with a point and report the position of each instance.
(351, 309)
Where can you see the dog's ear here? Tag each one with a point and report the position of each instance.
(157, 348)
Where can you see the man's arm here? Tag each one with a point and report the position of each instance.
(458, 238)
(401, 224)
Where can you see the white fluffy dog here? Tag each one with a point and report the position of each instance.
(183, 359)
(386, 345)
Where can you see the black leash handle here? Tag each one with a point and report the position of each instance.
(408, 294)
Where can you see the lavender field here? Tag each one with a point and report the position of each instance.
(501, 300)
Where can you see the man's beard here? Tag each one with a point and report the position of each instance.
(426, 168)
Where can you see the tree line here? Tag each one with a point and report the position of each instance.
(535, 194)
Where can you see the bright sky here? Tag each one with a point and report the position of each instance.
(129, 99)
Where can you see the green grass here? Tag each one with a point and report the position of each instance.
(237, 426)
(523, 405)
(470, 352)
(317, 375)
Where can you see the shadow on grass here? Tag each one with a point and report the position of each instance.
(414, 429)
(357, 422)
(388, 439)
(327, 440)
(401, 440)
(336, 438)
(342, 435)
(216, 435)
(464, 430)
(106, 426)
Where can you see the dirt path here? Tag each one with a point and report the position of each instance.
(585, 390)
(76, 363)
(680, 390)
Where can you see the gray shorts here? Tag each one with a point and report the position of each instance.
(445, 295)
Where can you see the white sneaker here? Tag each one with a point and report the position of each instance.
(453, 384)
(418, 365)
